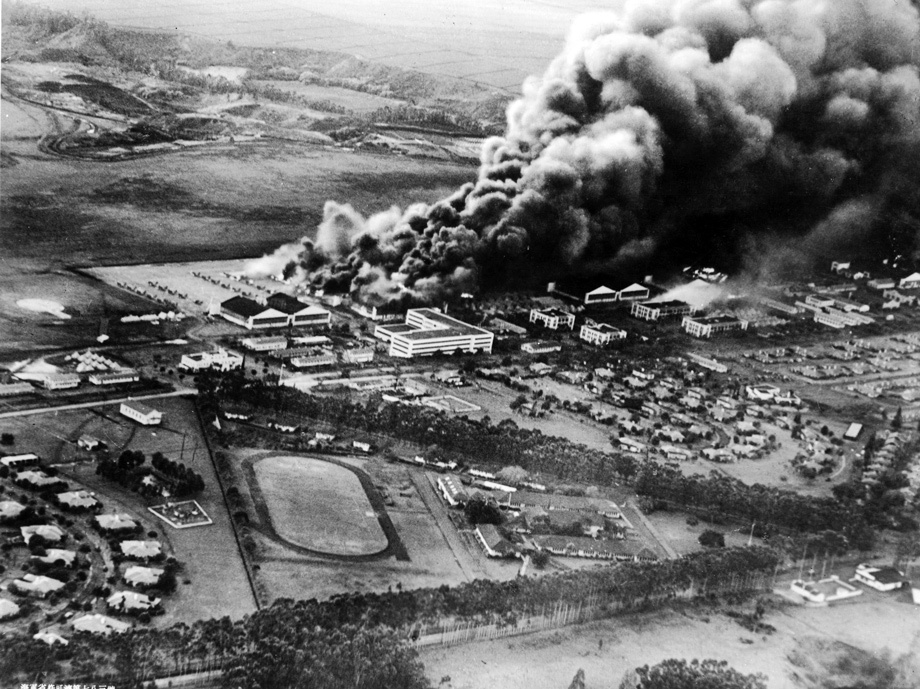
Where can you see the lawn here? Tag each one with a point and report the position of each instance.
(319, 506)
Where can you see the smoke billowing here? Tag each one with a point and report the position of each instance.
(747, 133)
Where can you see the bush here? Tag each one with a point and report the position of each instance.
(712, 539)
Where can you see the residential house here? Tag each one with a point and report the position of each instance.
(49, 532)
(141, 550)
(77, 500)
(35, 585)
(115, 523)
(10, 509)
(880, 578)
(141, 577)
(53, 555)
(493, 543)
(99, 624)
(131, 602)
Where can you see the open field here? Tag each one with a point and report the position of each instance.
(319, 506)
(792, 658)
(285, 572)
(223, 202)
(177, 283)
(489, 42)
(356, 101)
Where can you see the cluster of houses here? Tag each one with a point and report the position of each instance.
(568, 526)
(121, 530)
(883, 458)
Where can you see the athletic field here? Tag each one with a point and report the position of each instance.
(319, 505)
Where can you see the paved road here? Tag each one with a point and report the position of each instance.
(96, 403)
(468, 565)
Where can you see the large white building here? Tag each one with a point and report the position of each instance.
(552, 318)
(603, 294)
(141, 413)
(299, 314)
(600, 334)
(656, 310)
(222, 360)
(251, 314)
(428, 331)
(709, 325)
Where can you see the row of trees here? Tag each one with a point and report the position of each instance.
(184, 481)
(717, 495)
(129, 470)
(277, 646)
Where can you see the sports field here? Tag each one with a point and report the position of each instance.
(319, 506)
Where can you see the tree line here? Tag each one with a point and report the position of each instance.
(291, 642)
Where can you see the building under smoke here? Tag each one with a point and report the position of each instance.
(747, 134)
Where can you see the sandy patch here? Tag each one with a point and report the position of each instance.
(56, 309)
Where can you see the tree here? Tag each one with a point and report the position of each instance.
(712, 539)
(512, 474)
(679, 674)
(898, 419)
(479, 511)
(540, 559)
(7, 439)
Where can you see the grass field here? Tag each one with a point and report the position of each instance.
(319, 506)
(795, 657)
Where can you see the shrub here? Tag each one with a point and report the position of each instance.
(712, 539)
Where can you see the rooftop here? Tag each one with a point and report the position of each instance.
(243, 306)
(439, 325)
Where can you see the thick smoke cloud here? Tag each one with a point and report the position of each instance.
(666, 127)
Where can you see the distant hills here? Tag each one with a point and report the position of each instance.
(33, 34)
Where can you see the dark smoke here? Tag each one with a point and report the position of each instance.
(670, 130)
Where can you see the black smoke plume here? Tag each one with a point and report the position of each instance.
(750, 134)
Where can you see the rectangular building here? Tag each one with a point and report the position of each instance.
(252, 315)
(357, 355)
(299, 314)
(264, 344)
(61, 381)
(541, 347)
(136, 411)
(428, 331)
(10, 389)
(552, 318)
(709, 325)
(19, 461)
(656, 310)
(318, 357)
(601, 334)
(115, 378)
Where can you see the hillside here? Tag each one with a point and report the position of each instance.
(31, 34)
